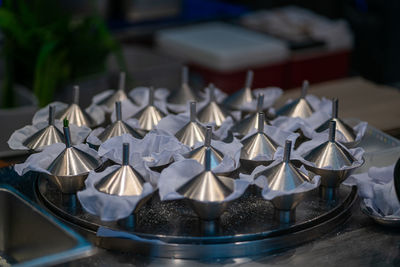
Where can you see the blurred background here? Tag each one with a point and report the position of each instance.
(47, 46)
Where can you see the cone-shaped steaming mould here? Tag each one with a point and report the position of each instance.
(199, 153)
(124, 181)
(119, 95)
(150, 115)
(241, 97)
(74, 114)
(118, 128)
(213, 112)
(193, 131)
(46, 136)
(346, 130)
(71, 166)
(250, 122)
(184, 93)
(299, 107)
(206, 191)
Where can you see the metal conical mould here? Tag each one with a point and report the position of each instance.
(46, 136)
(250, 122)
(348, 132)
(74, 114)
(124, 181)
(118, 128)
(206, 192)
(329, 158)
(119, 95)
(285, 176)
(258, 144)
(193, 131)
(199, 154)
(150, 115)
(298, 108)
(184, 93)
(71, 167)
(213, 112)
(241, 97)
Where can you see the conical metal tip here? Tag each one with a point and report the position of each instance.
(304, 89)
(124, 181)
(241, 97)
(184, 92)
(213, 113)
(260, 102)
(122, 79)
(193, 111)
(298, 108)
(149, 117)
(46, 136)
(246, 125)
(118, 128)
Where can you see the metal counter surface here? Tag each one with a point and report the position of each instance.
(358, 242)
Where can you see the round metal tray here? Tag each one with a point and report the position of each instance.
(172, 229)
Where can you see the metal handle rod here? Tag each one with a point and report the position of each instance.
(207, 139)
(151, 96)
(67, 134)
(208, 159)
(332, 131)
(260, 102)
(304, 89)
(118, 110)
(185, 75)
(122, 79)
(211, 87)
(51, 115)
(335, 105)
(287, 150)
(249, 79)
(193, 111)
(125, 154)
(261, 119)
(76, 94)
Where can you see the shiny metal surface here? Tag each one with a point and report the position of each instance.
(31, 237)
(118, 128)
(184, 93)
(150, 115)
(199, 154)
(206, 191)
(330, 154)
(250, 122)
(193, 131)
(46, 136)
(71, 167)
(241, 97)
(258, 143)
(74, 114)
(119, 95)
(124, 181)
(213, 112)
(341, 126)
(299, 107)
(384, 221)
(285, 177)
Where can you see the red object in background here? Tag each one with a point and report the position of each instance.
(314, 66)
(229, 82)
